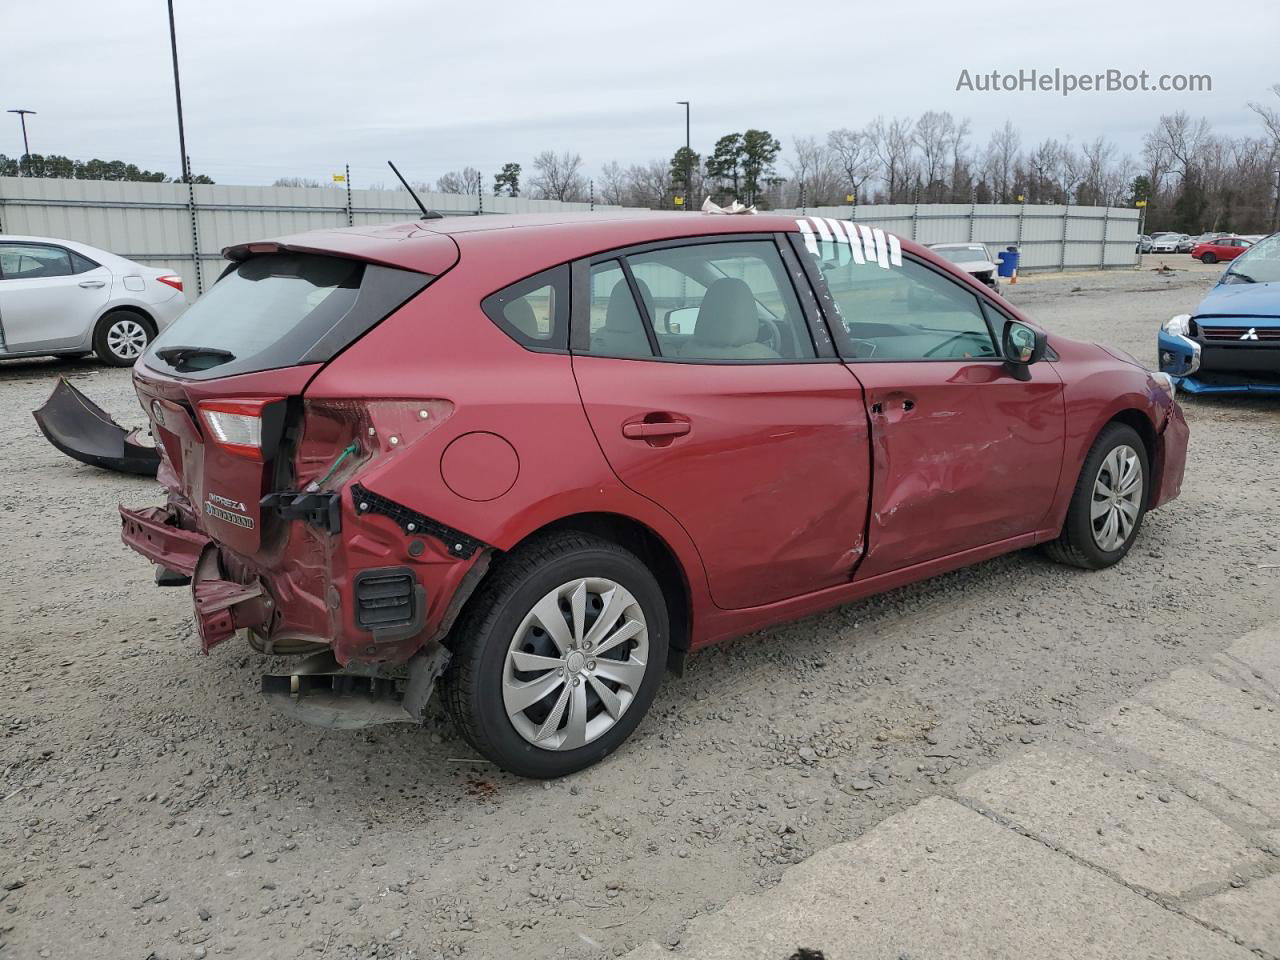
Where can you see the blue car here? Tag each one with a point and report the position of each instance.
(1231, 344)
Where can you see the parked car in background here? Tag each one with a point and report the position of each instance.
(1167, 243)
(435, 460)
(1223, 248)
(59, 297)
(1231, 343)
(973, 258)
(1143, 245)
(1186, 244)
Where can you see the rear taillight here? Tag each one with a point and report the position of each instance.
(172, 281)
(236, 425)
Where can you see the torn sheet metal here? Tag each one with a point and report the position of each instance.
(83, 431)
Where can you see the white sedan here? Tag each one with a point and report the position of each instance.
(58, 297)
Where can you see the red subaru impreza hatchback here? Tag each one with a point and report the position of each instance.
(540, 459)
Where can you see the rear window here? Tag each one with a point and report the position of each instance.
(278, 310)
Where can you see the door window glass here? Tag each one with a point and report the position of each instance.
(617, 329)
(896, 309)
(30, 261)
(725, 302)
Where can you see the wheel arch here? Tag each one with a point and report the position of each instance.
(651, 549)
(141, 312)
(1142, 425)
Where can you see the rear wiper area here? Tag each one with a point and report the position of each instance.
(186, 359)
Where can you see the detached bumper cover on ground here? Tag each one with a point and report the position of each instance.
(83, 431)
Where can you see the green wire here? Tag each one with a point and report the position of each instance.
(351, 448)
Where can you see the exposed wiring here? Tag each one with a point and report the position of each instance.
(315, 485)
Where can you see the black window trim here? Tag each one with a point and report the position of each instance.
(71, 256)
(562, 283)
(841, 335)
(580, 316)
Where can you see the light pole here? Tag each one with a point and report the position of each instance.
(177, 93)
(22, 117)
(688, 153)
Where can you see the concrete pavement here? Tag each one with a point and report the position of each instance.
(1153, 833)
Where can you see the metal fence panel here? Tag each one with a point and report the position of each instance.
(157, 224)
(184, 229)
(1049, 236)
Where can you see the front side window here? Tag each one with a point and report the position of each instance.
(724, 302)
(32, 261)
(897, 309)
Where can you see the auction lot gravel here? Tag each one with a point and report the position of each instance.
(151, 805)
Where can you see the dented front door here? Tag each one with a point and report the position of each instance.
(963, 455)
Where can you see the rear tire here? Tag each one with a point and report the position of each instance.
(121, 337)
(597, 692)
(1208, 258)
(1087, 540)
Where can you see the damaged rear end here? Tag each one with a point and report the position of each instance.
(272, 515)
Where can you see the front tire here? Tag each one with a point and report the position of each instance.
(121, 337)
(1108, 504)
(558, 656)
(1208, 258)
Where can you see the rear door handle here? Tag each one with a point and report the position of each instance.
(93, 283)
(643, 430)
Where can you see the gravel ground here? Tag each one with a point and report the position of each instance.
(152, 806)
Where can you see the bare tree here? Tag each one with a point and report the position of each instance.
(649, 184)
(296, 182)
(932, 136)
(1000, 160)
(1270, 117)
(613, 184)
(466, 180)
(892, 144)
(816, 170)
(1097, 155)
(855, 153)
(1180, 138)
(558, 176)
(961, 177)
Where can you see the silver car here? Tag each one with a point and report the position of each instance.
(58, 297)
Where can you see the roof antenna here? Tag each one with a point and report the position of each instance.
(426, 214)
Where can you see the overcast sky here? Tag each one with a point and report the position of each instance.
(281, 87)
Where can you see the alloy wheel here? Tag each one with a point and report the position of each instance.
(575, 664)
(1117, 498)
(127, 339)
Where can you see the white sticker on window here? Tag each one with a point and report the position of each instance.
(844, 231)
(882, 248)
(866, 244)
(895, 250)
(810, 241)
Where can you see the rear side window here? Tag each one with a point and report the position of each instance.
(34, 261)
(278, 310)
(535, 311)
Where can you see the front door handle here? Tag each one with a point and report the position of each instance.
(93, 283)
(645, 430)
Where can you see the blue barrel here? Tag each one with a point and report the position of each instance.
(1008, 262)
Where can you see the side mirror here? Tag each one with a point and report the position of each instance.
(680, 320)
(1022, 346)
